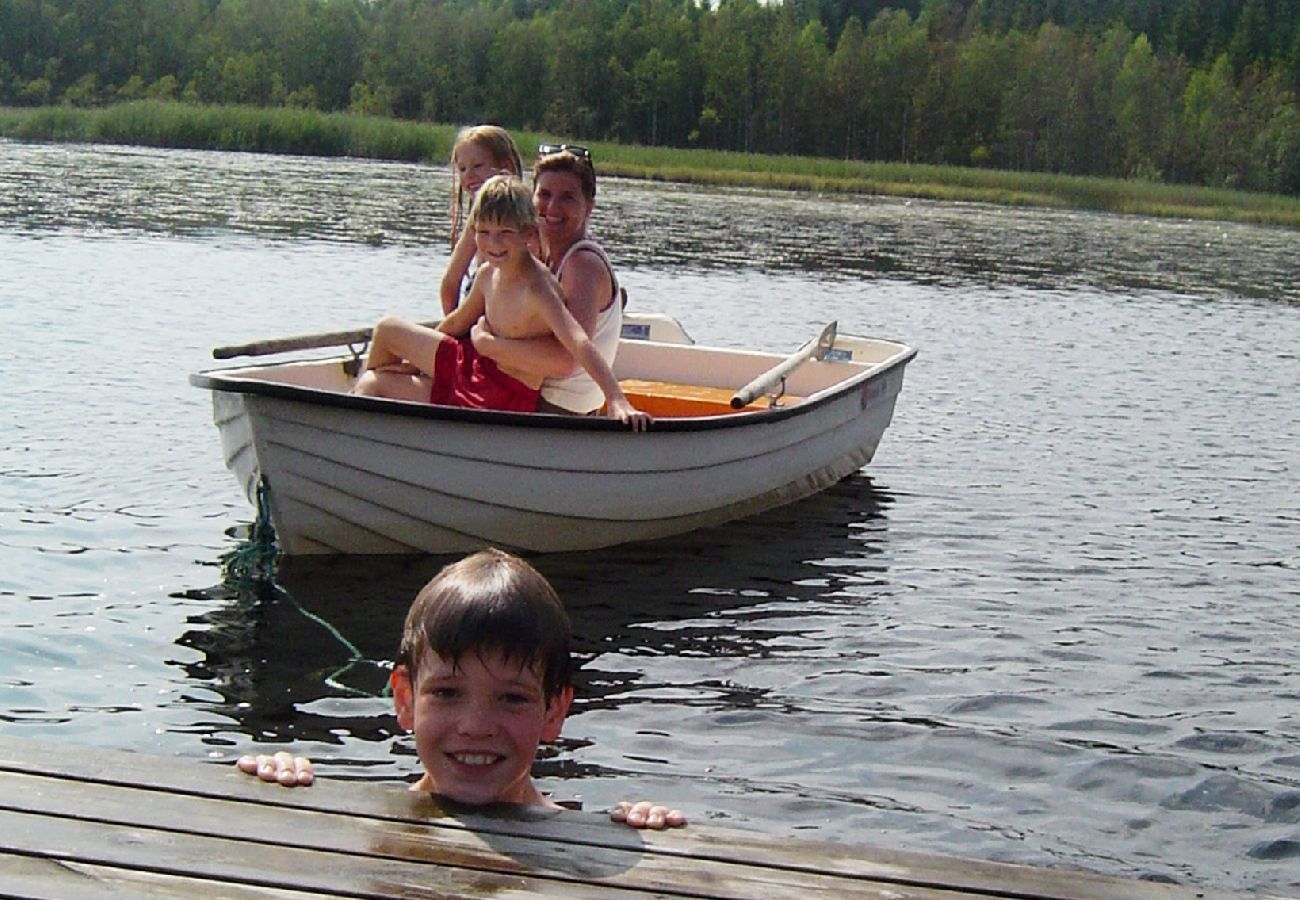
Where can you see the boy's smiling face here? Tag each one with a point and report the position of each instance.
(477, 725)
(498, 243)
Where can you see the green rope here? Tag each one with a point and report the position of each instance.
(253, 559)
(355, 655)
(252, 563)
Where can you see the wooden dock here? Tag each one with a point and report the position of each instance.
(78, 822)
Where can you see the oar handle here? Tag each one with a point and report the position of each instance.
(814, 349)
(301, 342)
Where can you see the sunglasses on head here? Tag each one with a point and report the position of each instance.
(548, 149)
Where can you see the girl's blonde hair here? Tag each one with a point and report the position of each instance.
(499, 145)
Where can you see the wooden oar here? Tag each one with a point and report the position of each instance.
(814, 349)
(301, 342)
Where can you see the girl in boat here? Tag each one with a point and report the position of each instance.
(480, 151)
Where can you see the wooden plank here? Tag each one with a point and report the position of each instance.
(247, 863)
(343, 818)
(357, 836)
(49, 879)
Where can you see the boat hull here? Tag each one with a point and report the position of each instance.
(360, 476)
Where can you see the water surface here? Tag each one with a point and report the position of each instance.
(1053, 622)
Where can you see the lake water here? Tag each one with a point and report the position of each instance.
(1054, 622)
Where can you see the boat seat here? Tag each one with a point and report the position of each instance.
(666, 399)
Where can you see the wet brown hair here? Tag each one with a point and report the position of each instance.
(491, 601)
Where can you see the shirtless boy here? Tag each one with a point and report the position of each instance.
(519, 297)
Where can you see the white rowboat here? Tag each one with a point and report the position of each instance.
(358, 475)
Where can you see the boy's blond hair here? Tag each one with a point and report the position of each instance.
(504, 200)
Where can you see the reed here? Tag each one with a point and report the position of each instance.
(310, 132)
(952, 183)
(244, 128)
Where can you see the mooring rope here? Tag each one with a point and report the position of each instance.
(253, 562)
(253, 559)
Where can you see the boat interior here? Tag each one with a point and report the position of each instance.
(651, 374)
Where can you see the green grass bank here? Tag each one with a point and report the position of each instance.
(313, 133)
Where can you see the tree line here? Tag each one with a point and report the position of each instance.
(1186, 91)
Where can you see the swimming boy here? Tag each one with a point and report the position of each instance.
(483, 677)
(518, 296)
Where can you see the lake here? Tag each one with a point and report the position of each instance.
(1053, 622)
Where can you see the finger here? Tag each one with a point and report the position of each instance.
(303, 771)
(639, 815)
(266, 769)
(663, 817)
(283, 768)
(619, 812)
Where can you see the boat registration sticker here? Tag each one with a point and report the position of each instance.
(833, 355)
(635, 331)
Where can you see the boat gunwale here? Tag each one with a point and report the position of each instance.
(217, 380)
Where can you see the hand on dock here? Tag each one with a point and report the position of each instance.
(647, 815)
(283, 768)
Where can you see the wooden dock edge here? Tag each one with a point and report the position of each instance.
(79, 821)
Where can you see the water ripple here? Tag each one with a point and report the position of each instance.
(1053, 622)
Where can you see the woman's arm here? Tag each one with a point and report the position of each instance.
(566, 328)
(543, 355)
(586, 289)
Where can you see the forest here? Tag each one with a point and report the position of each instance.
(1180, 91)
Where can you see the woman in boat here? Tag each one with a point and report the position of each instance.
(564, 191)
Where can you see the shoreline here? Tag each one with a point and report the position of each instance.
(313, 133)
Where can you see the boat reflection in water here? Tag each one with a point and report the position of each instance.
(306, 659)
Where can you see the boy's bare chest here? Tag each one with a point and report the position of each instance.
(512, 311)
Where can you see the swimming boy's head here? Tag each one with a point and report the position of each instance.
(483, 677)
(491, 601)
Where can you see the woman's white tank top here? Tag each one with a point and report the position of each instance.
(578, 392)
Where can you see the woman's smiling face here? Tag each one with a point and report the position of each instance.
(562, 208)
